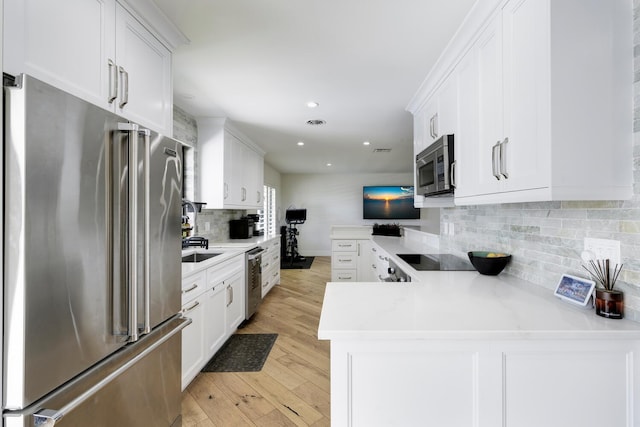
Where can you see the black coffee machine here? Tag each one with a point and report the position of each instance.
(258, 229)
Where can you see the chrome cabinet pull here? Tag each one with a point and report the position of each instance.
(435, 126)
(124, 95)
(503, 158)
(192, 288)
(494, 166)
(193, 306)
(226, 190)
(113, 81)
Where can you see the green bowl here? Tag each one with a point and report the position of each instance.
(489, 265)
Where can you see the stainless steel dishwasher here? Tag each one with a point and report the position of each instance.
(254, 281)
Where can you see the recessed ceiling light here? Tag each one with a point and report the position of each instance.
(366, 143)
(316, 122)
(312, 104)
(300, 143)
(328, 164)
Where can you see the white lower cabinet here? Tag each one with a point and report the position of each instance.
(235, 301)
(350, 260)
(484, 383)
(193, 340)
(214, 300)
(215, 330)
(270, 264)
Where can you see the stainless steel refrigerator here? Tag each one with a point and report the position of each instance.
(91, 301)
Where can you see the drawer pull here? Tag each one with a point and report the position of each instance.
(192, 288)
(186, 310)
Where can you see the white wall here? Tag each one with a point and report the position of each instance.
(337, 200)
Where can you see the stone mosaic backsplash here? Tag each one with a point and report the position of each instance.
(218, 220)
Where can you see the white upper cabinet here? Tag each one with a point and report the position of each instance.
(96, 50)
(144, 73)
(231, 167)
(544, 106)
(66, 44)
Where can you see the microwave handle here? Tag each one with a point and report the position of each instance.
(453, 174)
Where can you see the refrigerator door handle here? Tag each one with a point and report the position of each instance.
(133, 232)
(49, 417)
(146, 327)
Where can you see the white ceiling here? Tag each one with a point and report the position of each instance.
(258, 62)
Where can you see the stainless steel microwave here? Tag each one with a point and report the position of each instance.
(435, 168)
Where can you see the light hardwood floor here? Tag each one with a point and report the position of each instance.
(293, 387)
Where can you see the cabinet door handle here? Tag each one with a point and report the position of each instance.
(435, 126)
(229, 295)
(431, 127)
(113, 81)
(503, 158)
(188, 309)
(226, 190)
(192, 288)
(373, 249)
(124, 94)
(259, 198)
(373, 266)
(494, 166)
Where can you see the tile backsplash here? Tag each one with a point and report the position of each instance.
(546, 239)
(218, 220)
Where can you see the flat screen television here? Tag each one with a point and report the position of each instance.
(388, 202)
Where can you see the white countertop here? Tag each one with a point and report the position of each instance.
(456, 305)
(189, 268)
(459, 305)
(227, 249)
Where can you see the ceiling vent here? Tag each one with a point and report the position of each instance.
(315, 122)
(382, 150)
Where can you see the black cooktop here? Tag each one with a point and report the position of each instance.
(436, 262)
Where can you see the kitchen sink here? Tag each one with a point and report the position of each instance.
(198, 257)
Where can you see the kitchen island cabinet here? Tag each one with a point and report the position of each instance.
(471, 350)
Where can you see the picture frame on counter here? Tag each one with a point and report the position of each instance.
(576, 290)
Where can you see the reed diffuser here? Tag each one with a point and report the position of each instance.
(609, 301)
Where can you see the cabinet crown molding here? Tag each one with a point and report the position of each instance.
(152, 17)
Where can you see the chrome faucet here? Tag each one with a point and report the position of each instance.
(195, 213)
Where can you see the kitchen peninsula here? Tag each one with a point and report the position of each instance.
(462, 349)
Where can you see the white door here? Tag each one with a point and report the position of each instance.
(467, 144)
(526, 94)
(490, 107)
(235, 301)
(215, 327)
(193, 347)
(66, 44)
(144, 66)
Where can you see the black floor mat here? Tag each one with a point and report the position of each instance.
(242, 353)
(287, 264)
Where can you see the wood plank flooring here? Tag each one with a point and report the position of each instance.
(293, 387)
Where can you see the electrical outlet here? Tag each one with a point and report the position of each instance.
(603, 249)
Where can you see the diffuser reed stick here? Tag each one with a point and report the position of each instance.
(602, 274)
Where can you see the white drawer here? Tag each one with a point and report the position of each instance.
(344, 275)
(344, 261)
(193, 286)
(344, 246)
